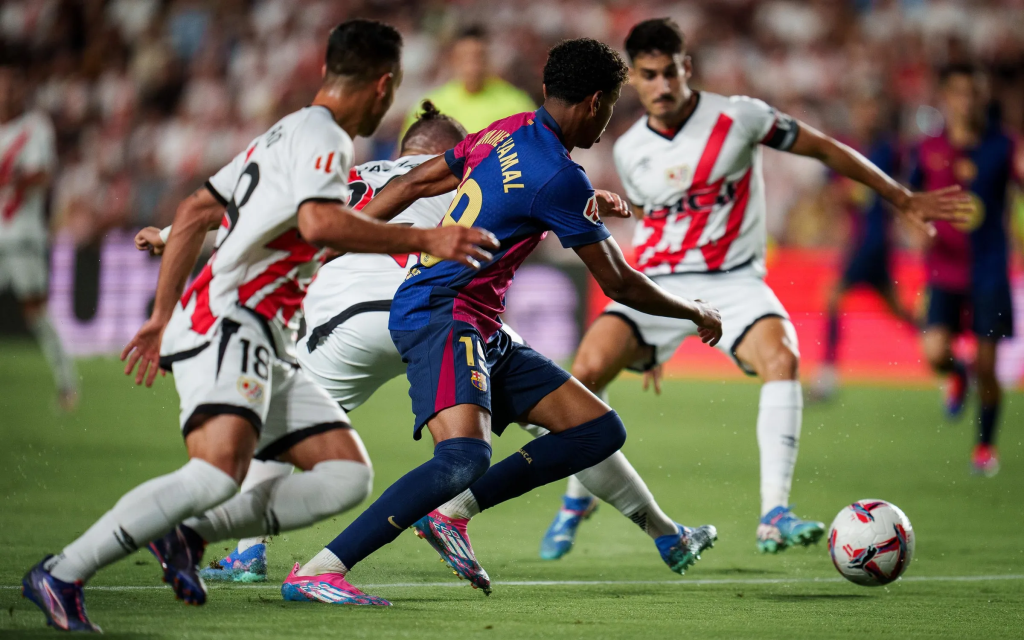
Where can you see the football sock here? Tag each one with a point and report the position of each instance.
(142, 515)
(778, 438)
(616, 482)
(259, 471)
(463, 505)
(575, 489)
(457, 462)
(549, 458)
(323, 562)
(287, 502)
(61, 365)
(987, 424)
(832, 338)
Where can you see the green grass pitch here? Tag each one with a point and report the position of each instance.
(694, 445)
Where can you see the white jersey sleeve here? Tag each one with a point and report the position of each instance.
(41, 151)
(763, 124)
(222, 183)
(621, 155)
(321, 159)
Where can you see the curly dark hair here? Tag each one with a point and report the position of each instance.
(362, 49)
(433, 130)
(660, 35)
(577, 69)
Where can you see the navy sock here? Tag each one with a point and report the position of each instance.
(456, 464)
(987, 424)
(832, 338)
(954, 366)
(549, 458)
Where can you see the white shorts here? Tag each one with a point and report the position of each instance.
(24, 271)
(742, 298)
(239, 373)
(352, 355)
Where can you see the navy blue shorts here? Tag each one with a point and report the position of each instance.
(989, 313)
(868, 267)
(449, 364)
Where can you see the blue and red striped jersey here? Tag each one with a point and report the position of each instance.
(518, 182)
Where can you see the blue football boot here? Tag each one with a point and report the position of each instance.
(682, 550)
(246, 566)
(561, 534)
(63, 603)
(779, 529)
(179, 554)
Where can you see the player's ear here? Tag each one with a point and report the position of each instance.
(544, 90)
(687, 67)
(323, 70)
(595, 102)
(384, 84)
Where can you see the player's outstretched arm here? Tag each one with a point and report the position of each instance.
(195, 216)
(432, 178)
(329, 224)
(916, 208)
(626, 285)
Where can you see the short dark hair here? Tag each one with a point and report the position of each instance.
(660, 35)
(471, 32)
(580, 68)
(362, 49)
(956, 69)
(433, 129)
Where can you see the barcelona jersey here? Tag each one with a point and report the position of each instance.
(518, 182)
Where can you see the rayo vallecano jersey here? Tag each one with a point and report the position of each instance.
(261, 262)
(701, 190)
(370, 278)
(27, 145)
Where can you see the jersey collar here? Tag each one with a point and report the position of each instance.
(545, 119)
(682, 124)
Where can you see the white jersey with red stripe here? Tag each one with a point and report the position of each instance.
(361, 278)
(27, 146)
(701, 189)
(261, 263)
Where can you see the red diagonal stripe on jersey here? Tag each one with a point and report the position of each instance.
(202, 316)
(7, 168)
(711, 150)
(299, 252)
(716, 250)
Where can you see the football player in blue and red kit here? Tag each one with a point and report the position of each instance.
(967, 264)
(869, 260)
(467, 378)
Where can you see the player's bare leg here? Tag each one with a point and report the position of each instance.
(771, 350)
(34, 311)
(984, 460)
(827, 379)
(937, 344)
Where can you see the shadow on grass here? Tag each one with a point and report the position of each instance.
(806, 597)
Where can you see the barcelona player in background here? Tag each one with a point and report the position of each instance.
(869, 260)
(967, 264)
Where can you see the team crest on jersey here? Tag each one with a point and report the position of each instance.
(250, 388)
(591, 212)
(964, 170)
(976, 217)
(678, 175)
(479, 380)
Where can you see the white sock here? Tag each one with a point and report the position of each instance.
(142, 515)
(259, 471)
(323, 562)
(463, 505)
(616, 482)
(61, 365)
(778, 437)
(575, 489)
(288, 502)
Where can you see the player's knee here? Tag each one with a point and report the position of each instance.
(590, 370)
(344, 484)
(781, 363)
(464, 459)
(598, 438)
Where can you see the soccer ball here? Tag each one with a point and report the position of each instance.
(871, 542)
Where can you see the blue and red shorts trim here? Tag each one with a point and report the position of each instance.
(450, 364)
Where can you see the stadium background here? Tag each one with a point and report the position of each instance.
(150, 97)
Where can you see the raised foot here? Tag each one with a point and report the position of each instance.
(682, 551)
(179, 554)
(449, 538)
(780, 529)
(561, 535)
(246, 566)
(63, 603)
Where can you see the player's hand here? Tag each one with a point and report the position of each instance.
(653, 377)
(611, 205)
(461, 244)
(950, 204)
(144, 349)
(709, 323)
(149, 240)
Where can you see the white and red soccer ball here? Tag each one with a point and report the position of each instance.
(871, 542)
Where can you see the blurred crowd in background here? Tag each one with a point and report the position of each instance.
(150, 97)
